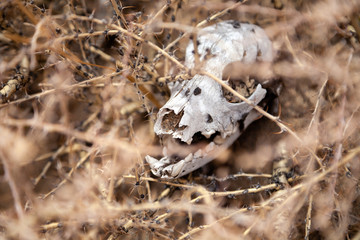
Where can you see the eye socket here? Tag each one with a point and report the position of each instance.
(244, 87)
(241, 77)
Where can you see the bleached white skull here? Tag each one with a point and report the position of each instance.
(199, 106)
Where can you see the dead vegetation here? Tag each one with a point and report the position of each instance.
(82, 81)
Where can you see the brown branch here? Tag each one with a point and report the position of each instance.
(11, 181)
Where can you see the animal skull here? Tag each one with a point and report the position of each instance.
(199, 105)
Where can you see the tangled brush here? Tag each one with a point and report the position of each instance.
(82, 83)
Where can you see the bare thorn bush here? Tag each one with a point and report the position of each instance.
(81, 83)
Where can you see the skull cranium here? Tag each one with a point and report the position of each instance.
(199, 106)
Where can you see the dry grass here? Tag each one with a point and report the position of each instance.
(82, 82)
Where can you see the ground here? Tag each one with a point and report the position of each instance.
(82, 81)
